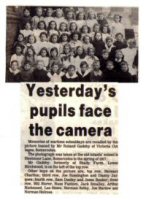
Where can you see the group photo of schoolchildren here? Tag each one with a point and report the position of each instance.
(72, 44)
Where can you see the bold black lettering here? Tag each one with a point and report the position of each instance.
(30, 89)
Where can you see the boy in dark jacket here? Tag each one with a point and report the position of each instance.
(104, 58)
(96, 74)
(124, 75)
(40, 75)
(120, 43)
(98, 44)
(110, 75)
(71, 75)
(13, 74)
(27, 72)
(84, 73)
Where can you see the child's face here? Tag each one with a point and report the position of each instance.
(85, 29)
(54, 39)
(43, 38)
(27, 67)
(75, 37)
(43, 53)
(131, 44)
(105, 29)
(98, 36)
(18, 50)
(96, 65)
(84, 68)
(31, 39)
(110, 66)
(91, 52)
(73, 26)
(64, 38)
(52, 25)
(30, 52)
(81, 16)
(14, 66)
(26, 13)
(63, 27)
(41, 26)
(55, 68)
(100, 16)
(109, 43)
(119, 37)
(119, 55)
(40, 65)
(39, 12)
(54, 53)
(49, 12)
(105, 55)
(117, 18)
(59, 13)
(86, 39)
(66, 49)
(71, 71)
(124, 67)
(69, 15)
(96, 28)
(80, 51)
(20, 38)
(27, 26)
(91, 15)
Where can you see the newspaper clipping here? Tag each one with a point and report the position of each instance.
(69, 133)
(69, 138)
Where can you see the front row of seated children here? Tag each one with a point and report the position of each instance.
(56, 74)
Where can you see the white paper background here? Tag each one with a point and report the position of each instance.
(132, 109)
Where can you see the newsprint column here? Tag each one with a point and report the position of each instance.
(69, 139)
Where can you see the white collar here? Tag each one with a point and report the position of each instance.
(14, 72)
(109, 48)
(71, 77)
(98, 73)
(83, 75)
(118, 60)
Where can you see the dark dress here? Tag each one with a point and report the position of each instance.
(103, 63)
(102, 22)
(84, 77)
(120, 45)
(27, 76)
(117, 65)
(124, 77)
(16, 78)
(40, 75)
(96, 78)
(99, 46)
(112, 53)
(110, 76)
(70, 79)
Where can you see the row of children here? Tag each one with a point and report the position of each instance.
(30, 73)
(66, 15)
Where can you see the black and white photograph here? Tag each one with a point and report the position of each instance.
(72, 44)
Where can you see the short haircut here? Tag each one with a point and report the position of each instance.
(43, 33)
(43, 23)
(109, 38)
(84, 63)
(14, 61)
(71, 67)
